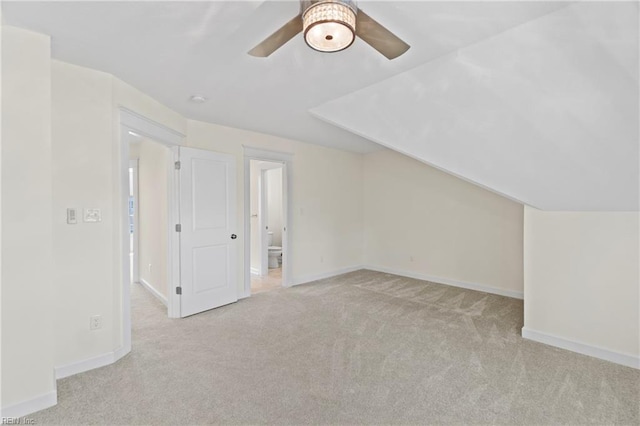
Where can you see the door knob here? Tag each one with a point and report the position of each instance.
(234, 236)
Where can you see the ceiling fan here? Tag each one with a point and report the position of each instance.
(331, 26)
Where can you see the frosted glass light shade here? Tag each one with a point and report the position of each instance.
(329, 26)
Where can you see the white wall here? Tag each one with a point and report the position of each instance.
(86, 173)
(82, 177)
(274, 204)
(134, 150)
(27, 360)
(422, 222)
(326, 227)
(582, 279)
(153, 215)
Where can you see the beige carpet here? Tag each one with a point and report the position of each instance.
(364, 347)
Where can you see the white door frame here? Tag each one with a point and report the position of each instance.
(263, 221)
(133, 165)
(286, 159)
(132, 124)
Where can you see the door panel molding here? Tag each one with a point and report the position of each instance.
(208, 216)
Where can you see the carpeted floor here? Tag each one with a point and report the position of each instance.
(364, 347)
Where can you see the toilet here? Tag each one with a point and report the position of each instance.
(275, 252)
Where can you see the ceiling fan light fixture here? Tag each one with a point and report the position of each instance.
(329, 25)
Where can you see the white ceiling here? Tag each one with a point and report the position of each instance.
(172, 50)
(537, 100)
(546, 113)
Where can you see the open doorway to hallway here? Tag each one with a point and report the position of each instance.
(148, 217)
(267, 219)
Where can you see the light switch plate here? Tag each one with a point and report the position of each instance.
(92, 215)
(72, 216)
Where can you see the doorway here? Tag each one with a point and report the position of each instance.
(267, 189)
(182, 225)
(148, 217)
(267, 217)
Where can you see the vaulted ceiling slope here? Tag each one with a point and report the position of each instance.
(172, 50)
(545, 113)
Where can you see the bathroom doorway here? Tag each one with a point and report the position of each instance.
(267, 211)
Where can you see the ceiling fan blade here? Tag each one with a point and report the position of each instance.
(378, 37)
(277, 39)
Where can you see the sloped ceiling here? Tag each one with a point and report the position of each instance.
(545, 113)
(537, 101)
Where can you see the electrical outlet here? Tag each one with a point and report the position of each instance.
(411, 259)
(321, 259)
(95, 322)
(149, 268)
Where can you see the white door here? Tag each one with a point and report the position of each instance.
(208, 251)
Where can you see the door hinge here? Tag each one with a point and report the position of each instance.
(178, 290)
(177, 165)
(178, 228)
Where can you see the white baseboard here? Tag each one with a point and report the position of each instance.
(582, 348)
(447, 281)
(120, 352)
(255, 271)
(153, 291)
(29, 406)
(50, 399)
(90, 363)
(315, 277)
(84, 365)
